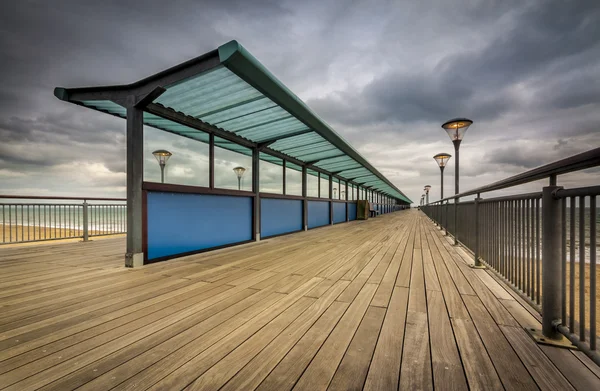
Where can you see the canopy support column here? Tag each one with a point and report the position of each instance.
(346, 198)
(134, 256)
(330, 200)
(304, 201)
(256, 190)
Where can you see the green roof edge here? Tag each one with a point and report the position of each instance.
(237, 59)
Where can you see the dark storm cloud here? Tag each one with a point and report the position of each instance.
(383, 73)
(538, 39)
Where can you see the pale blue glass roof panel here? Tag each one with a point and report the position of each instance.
(263, 136)
(253, 119)
(307, 155)
(309, 147)
(286, 124)
(237, 94)
(301, 139)
(107, 106)
(237, 109)
(321, 155)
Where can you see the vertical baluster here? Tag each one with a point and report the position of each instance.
(28, 225)
(582, 268)
(34, 223)
(593, 302)
(572, 214)
(538, 241)
(502, 240)
(3, 225)
(514, 243)
(527, 244)
(22, 226)
(563, 261)
(509, 216)
(518, 249)
(496, 236)
(522, 247)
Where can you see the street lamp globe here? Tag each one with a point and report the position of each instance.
(442, 159)
(239, 172)
(162, 156)
(456, 128)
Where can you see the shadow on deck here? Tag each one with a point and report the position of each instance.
(376, 304)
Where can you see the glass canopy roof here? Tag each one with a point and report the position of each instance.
(241, 97)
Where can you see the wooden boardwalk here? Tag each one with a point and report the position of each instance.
(378, 305)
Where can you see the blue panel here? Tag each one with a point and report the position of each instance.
(318, 213)
(352, 211)
(339, 212)
(279, 216)
(180, 223)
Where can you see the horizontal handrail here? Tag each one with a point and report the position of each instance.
(6, 196)
(581, 191)
(577, 162)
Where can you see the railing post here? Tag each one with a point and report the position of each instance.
(85, 221)
(477, 264)
(456, 221)
(551, 262)
(446, 218)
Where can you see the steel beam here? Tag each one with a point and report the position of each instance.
(256, 191)
(134, 255)
(304, 201)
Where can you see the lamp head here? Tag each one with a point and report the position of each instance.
(442, 159)
(427, 188)
(456, 128)
(239, 171)
(162, 156)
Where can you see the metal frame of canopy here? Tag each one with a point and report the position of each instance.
(227, 93)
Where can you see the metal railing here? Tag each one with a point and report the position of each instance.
(33, 218)
(542, 244)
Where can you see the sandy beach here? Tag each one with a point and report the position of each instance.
(587, 294)
(20, 233)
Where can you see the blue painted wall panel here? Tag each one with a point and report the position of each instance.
(339, 212)
(279, 216)
(352, 212)
(180, 223)
(318, 213)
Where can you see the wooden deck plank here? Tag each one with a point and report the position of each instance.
(540, 367)
(415, 371)
(511, 371)
(320, 371)
(383, 304)
(480, 372)
(352, 372)
(290, 368)
(384, 371)
(446, 364)
(229, 366)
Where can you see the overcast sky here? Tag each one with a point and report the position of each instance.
(384, 74)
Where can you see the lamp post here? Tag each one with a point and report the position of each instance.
(442, 160)
(334, 193)
(239, 171)
(427, 188)
(162, 156)
(456, 129)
